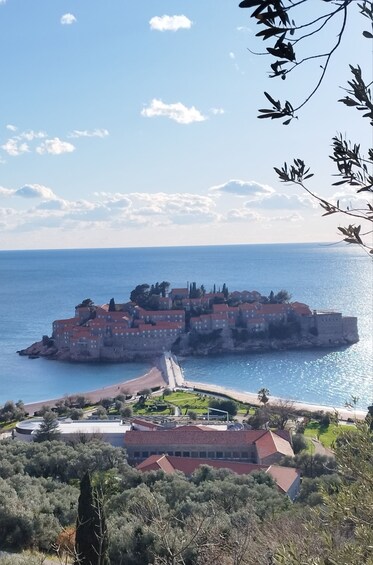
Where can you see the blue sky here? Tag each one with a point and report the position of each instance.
(134, 124)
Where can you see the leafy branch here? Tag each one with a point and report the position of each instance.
(275, 16)
(298, 173)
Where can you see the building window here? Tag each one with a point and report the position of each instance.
(145, 454)
(194, 453)
(186, 453)
(228, 455)
(202, 454)
(219, 455)
(245, 455)
(236, 455)
(211, 454)
(136, 454)
(178, 453)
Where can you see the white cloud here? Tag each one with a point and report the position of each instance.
(116, 211)
(217, 111)
(155, 209)
(170, 23)
(232, 56)
(243, 28)
(68, 19)
(15, 145)
(242, 215)
(293, 218)
(2, 1)
(29, 191)
(14, 148)
(55, 146)
(242, 188)
(282, 202)
(349, 199)
(56, 204)
(4, 212)
(86, 133)
(120, 202)
(6, 191)
(31, 135)
(177, 112)
(35, 191)
(11, 127)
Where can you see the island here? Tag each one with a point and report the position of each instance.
(191, 321)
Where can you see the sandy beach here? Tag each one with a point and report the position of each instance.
(154, 378)
(252, 398)
(151, 379)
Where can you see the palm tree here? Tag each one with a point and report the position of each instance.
(263, 396)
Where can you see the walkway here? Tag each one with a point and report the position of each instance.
(171, 370)
(320, 449)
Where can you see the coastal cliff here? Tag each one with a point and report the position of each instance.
(191, 322)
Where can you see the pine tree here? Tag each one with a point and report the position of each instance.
(91, 533)
(48, 429)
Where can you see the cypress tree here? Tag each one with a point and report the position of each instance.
(91, 540)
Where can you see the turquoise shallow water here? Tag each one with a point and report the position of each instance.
(37, 287)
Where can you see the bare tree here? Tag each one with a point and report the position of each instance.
(283, 411)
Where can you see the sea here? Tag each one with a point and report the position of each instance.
(37, 287)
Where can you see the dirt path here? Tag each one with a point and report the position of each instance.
(320, 449)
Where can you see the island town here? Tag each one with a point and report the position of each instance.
(191, 321)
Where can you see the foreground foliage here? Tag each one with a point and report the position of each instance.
(213, 516)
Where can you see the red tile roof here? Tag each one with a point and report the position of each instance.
(283, 476)
(191, 435)
(146, 424)
(67, 322)
(179, 291)
(157, 463)
(275, 308)
(187, 465)
(165, 325)
(301, 309)
(271, 443)
(249, 307)
(219, 308)
(155, 313)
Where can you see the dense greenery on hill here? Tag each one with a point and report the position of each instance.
(214, 516)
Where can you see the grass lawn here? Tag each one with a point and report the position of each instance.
(326, 434)
(196, 402)
(7, 427)
(192, 400)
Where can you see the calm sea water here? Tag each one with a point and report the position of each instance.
(37, 287)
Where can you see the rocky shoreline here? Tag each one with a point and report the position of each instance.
(48, 350)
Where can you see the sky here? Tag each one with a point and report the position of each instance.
(134, 124)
